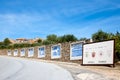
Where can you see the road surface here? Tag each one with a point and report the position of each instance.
(18, 69)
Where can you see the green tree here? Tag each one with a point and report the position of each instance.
(52, 37)
(6, 41)
(83, 39)
(46, 42)
(16, 46)
(1, 43)
(100, 36)
(2, 47)
(10, 47)
(67, 38)
(117, 44)
(39, 40)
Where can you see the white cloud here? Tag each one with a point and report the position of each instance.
(58, 18)
(27, 24)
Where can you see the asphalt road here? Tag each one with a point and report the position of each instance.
(18, 69)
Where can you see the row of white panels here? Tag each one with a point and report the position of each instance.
(75, 51)
(93, 53)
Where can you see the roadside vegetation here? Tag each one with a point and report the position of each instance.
(50, 39)
(54, 39)
(101, 36)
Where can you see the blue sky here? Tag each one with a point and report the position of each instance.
(39, 18)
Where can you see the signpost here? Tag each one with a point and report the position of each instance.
(41, 52)
(76, 51)
(56, 51)
(99, 53)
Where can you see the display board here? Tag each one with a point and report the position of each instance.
(30, 52)
(22, 52)
(99, 53)
(15, 52)
(41, 52)
(76, 51)
(56, 51)
(9, 52)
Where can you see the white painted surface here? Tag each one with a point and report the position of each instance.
(56, 51)
(30, 52)
(9, 53)
(98, 53)
(18, 69)
(15, 52)
(41, 52)
(76, 51)
(22, 52)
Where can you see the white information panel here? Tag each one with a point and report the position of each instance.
(41, 52)
(30, 52)
(99, 53)
(15, 52)
(76, 51)
(55, 52)
(9, 52)
(22, 52)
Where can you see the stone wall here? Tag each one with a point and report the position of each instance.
(65, 53)
(3, 52)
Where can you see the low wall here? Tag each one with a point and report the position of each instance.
(3, 52)
(65, 53)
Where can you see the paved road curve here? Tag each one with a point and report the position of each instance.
(18, 69)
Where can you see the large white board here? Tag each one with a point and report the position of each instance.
(56, 51)
(30, 52)
(22, 52)
(99, 53)
(41, 52)
(9, 52)
(15, 52)
(76, 51)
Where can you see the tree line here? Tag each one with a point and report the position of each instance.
(50, 39)
(53, 39)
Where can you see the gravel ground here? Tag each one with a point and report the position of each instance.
(89, 72)
(93, 72)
